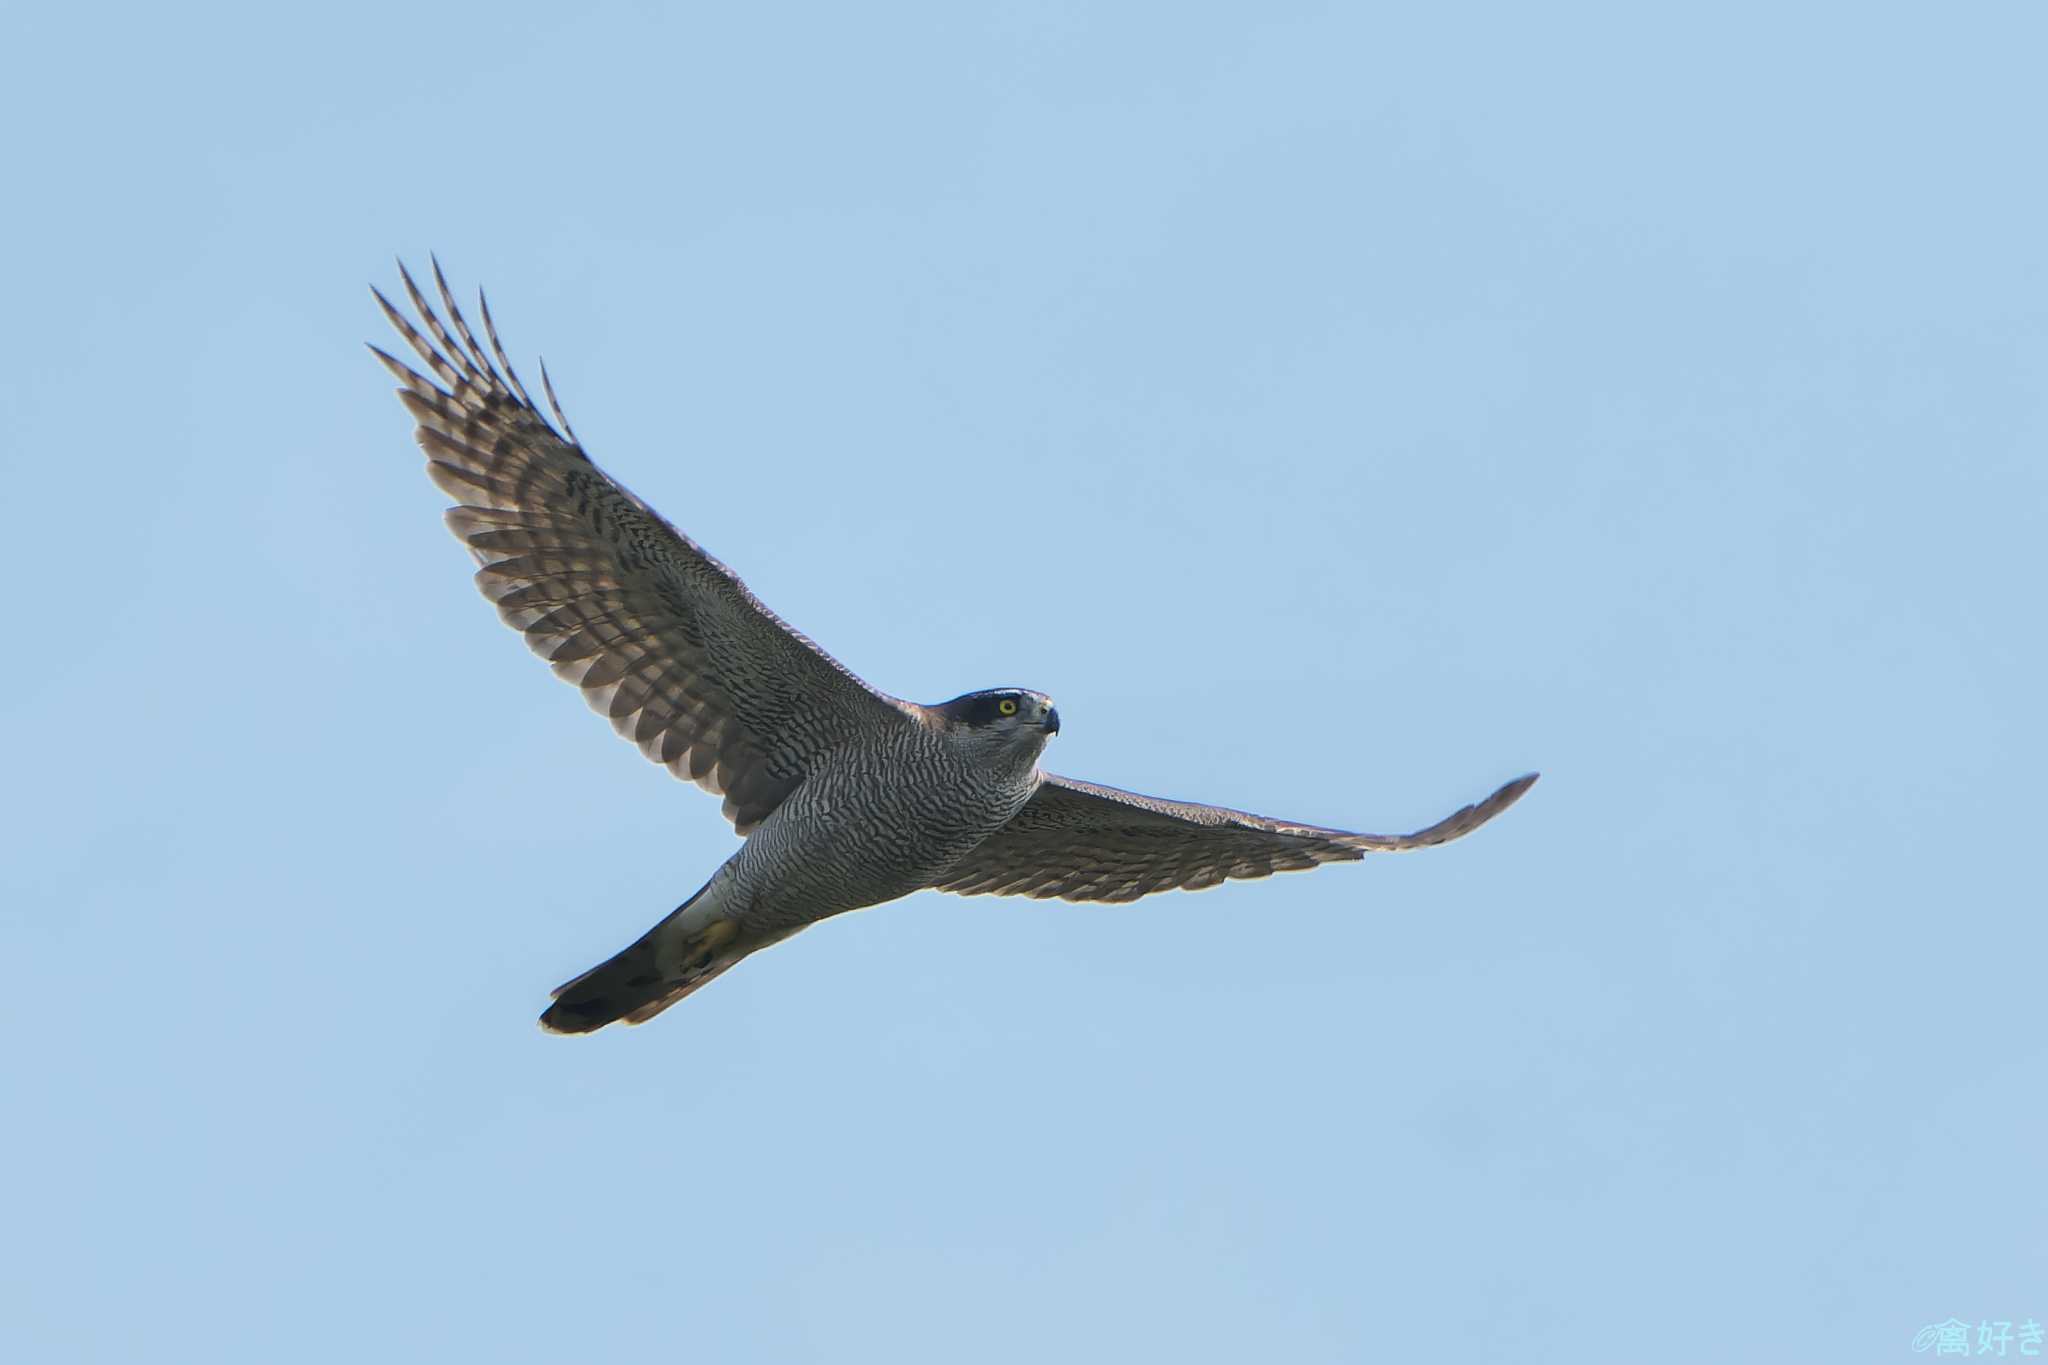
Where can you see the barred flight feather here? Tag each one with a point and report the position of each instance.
(663, 640)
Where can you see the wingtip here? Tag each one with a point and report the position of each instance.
(1509, 793)
(1458, 824)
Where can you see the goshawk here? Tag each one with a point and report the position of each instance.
(846, 797)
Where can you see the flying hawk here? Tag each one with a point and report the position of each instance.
(846, 796)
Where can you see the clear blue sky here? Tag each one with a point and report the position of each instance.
(1339, 409)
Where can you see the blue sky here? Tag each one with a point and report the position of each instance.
(1339, 409)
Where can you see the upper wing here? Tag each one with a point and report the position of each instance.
(1083, 842)
(661, 637)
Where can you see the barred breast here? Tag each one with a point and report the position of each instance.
(885, 817)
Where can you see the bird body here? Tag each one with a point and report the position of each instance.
(846, 797)
(858, 834)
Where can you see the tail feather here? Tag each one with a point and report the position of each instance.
(689, 985)
(645, 979)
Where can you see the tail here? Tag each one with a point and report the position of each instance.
(668, 962)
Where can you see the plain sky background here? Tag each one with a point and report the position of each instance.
(1340, 409)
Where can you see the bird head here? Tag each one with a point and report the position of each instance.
(1004, 719)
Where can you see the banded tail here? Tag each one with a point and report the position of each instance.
(668, 962)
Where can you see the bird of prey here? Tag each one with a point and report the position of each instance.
(846, 797)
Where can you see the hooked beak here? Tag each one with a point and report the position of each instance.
(1051, 719)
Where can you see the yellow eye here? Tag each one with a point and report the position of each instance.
(1007, 706)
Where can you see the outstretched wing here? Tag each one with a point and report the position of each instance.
(1083, 842)
(662, 638)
